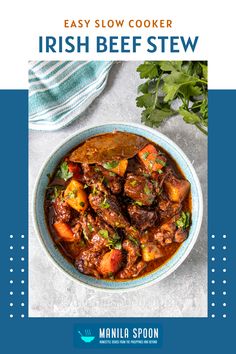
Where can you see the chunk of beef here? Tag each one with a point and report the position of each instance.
(88, 225)
(96, 232)
(158, 179)
(180, 235)
(176, 189)
(73, 249)
(133, 234)
(91, 174)
(87, 262)
(135, 167)
(107, 207)
(167, 209)
(165, 233)
(133, 271)
(111, 180)
(96, 173)
(142, 218)
(103, 236)
(62, 210)
(140, 189)
(133, 252)
(169, 232)
(77, 230)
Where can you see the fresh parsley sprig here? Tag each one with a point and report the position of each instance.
(167, 81)
(63, 171)
(113, 242)
(184, 221)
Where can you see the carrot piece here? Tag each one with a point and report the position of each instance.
(120, 168)
(151, 159)
(111, 262)
(74, 168)
(64, 231)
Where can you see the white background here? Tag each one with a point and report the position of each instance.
(21, 23)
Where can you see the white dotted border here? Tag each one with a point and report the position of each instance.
(213, 270)
(11, 281)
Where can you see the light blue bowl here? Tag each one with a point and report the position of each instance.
(165, 269)
(87, 339)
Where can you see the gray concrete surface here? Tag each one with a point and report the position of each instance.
(184, 292)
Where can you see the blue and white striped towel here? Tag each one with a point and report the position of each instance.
(59, 91)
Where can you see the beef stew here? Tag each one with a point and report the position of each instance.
(118, 206)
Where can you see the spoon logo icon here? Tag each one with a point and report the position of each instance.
(87, 338)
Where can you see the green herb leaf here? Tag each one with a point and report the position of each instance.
(147, 70)
(184, 221)
(72, 194)
(170, 65)
(113, 241)
(204, 71)
(147, 190)
(64, 172)
(156, 116)
(97, 169)
(57, 192)
(85, 234)
(81, 243)
(118, 245)
(145, 100)
(112, 174)
(94, 191)
(189, 117)
(161, 162)
(146, 174)
(137, 202)
(90, 227)
(54, 192)
(134, 240)
(110, 165)
(105, 204)
(189, 90)
(133, 183)
(155, 183)
(103, 233)
(145, 155)
(143, 88)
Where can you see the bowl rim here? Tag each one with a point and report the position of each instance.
(199, 194)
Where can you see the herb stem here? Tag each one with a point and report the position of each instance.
(184, 102)
(156, 94)
(201, 129)
(198, 105)
(203, 81)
